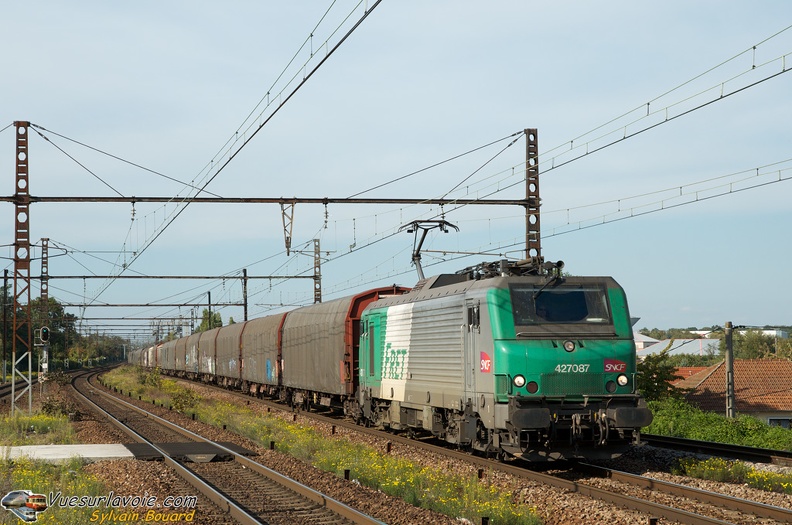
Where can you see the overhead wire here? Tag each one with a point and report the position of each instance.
(83, 166)
(626, 135)
(185, 202)
(120, 159)
(432, 166)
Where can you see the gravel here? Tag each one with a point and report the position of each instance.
(553, 506)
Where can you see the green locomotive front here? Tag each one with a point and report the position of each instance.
(564, 360)
(502, 360)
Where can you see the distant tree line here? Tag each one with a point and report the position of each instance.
(66, 343)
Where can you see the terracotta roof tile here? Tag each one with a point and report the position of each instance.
(760, 385)
(686, 372)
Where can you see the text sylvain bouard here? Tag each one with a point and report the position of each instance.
(150, 516)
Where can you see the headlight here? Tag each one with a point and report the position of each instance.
(569, 345)
(519, 381)
(622, 380)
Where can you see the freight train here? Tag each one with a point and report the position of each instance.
(504, 358)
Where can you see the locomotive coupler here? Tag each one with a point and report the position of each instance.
(604, 428)
(576, 429)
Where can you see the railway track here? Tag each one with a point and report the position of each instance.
(742, 453)
(242, 489)
(651, 497)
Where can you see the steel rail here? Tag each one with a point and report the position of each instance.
(721, 500)
(752, 454)
(320, 499)
(207, 490)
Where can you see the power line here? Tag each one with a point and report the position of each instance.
(185, 202)
(120, 159)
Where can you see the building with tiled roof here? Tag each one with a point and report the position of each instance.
(685, 372)
(762, 388)
(681, 346)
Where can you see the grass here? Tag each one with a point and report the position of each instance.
(426, 487)
(35, 429)
(719, 469)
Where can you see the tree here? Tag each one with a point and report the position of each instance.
(784, 348)
(207, 324)
(62, 325)
(655, 374)
(753, 344)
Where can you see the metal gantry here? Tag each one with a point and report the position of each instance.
(21, 327)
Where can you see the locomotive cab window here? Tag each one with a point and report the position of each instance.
(567, 304)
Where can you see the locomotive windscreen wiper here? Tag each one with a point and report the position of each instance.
(550, 281)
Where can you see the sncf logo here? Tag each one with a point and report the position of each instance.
(486, 363)
(614, 365)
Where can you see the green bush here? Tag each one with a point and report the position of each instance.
(677, 418)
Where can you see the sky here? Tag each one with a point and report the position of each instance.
(663, 130)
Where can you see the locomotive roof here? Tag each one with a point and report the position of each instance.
(453, 284)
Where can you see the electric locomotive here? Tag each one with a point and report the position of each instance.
(502, 358)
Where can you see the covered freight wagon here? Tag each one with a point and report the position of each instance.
(261, 359)
(320, 343)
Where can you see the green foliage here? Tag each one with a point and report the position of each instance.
(675, 417)
(671, 333)
(206, 323)
(655, 374)
(151, 378)
(184, 399)
(753, 344)
(681, 360)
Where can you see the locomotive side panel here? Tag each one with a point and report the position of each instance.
(313, 347)
(412, 353)
(435, 353)
(260, 355)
